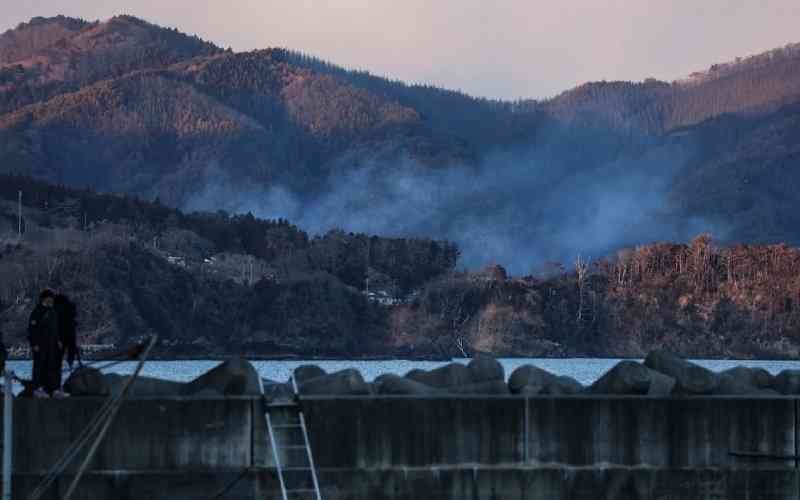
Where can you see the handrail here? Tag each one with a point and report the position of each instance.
(107, 412)
(8, 432)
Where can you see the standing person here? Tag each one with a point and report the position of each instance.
(3, 354)
(47, 347)
(3, 351)
(67, 314)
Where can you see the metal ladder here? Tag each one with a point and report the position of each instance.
(8, 432)
(290, 491)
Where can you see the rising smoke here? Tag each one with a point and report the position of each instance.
(518, 210)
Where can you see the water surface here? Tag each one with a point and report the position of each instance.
(585, 370)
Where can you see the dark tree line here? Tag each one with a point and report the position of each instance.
(410, 262)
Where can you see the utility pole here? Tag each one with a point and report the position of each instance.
(369, 244)
(19, 213)
(582, 274)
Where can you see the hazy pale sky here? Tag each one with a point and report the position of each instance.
(505, 49)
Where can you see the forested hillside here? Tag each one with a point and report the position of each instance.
(700, 299)
(28, 38)
(211, 284)
(757, 84)
(138, 268)
(48, 57)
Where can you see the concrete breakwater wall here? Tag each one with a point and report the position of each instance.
(454, 447)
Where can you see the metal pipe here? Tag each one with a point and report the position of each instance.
(8, 433)
(310, 457)
(110, 418)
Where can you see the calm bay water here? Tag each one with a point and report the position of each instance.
(585, 370)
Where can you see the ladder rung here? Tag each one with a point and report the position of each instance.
(301, 491)
(295, 469)
(293, 447)
(282, 404)
(293, 426)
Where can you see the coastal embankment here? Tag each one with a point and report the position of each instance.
(618, 439)
(504, 447)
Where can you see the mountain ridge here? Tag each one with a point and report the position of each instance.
(77, 26)
(277, 132)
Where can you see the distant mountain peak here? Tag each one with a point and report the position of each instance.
(74, 22)
(131, 29)
(127, 18)
(38, 33)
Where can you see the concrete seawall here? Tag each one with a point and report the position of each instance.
(578, 447)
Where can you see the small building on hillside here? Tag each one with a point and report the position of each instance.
(493, 272)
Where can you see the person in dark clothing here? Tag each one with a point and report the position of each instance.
(3, 351)
(67, 314)
(46, 334)
(3, 354)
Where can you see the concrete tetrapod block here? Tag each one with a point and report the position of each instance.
(375, 385)
(87, 382)
(450, 375)
(743, 380)
(306, 372)
(626, 377)
(277, 390)
(757, 377)
(396, 385)
(144, 386)
(484, 368)
(690, 378)
(530, 378)
(563, 386)
(787, 382)
(415, 373)
(491, 387)
(235, 377)
(660, 384)
(347, 382)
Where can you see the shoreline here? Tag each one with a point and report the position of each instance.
(225, 357)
